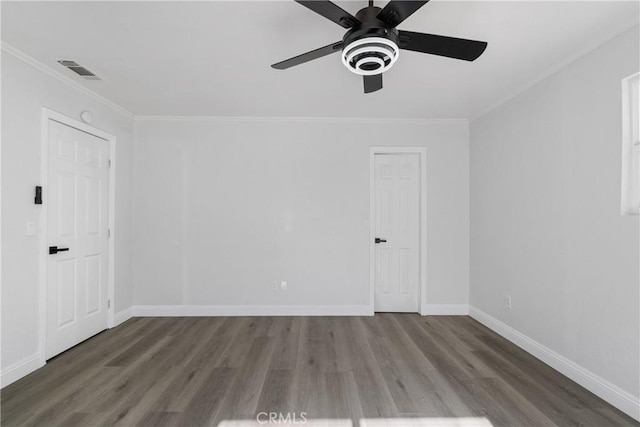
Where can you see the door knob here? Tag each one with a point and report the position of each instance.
(54, 250)
(379, 240)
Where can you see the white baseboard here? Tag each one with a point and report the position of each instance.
(446, 310)
(122, 316)
(250, 310)
(279, 310)
(20, 369)
(604, 389)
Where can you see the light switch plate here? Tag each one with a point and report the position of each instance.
(31, 228)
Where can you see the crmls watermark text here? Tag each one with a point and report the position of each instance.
(289, 418)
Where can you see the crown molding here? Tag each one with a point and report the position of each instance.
(17, 53)
(11, 50)
(7, 48)
(242, 119)
(584, 50)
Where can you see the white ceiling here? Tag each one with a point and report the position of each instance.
(212, 58)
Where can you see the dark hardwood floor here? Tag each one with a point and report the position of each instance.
(391, 369)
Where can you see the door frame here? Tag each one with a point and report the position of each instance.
(46, 115)
(422, 152)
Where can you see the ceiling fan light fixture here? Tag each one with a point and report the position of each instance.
(370, 55)
(371, 44)
(371, 63)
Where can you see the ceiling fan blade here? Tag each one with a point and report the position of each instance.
(451, 47)
(397, 11)
(331, 11)
(309, 56)
(372, 83)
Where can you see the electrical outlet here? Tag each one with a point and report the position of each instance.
(507, 302)
(283, 285)
(274, 286)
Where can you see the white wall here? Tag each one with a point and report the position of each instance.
(25, 90)
(545, 216)
(224, 208)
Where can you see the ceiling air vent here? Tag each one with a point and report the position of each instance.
(79, 70)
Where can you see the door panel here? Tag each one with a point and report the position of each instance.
(397, 210)
(66, 204)
(77, 219)
(92, 207)
(67, 284)
(93, 285)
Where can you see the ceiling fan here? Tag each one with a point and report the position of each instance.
(372, 43)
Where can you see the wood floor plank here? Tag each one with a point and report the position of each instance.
(375, 398)
(329, 341)
(277, 393)
(84, 356)
(81, 419)
(544, 395)
(140, 404)
(139, 349)
(390, 368)
(68, 399)
(244, 393)
(309, 381)
(411, 354)
(206, 402)
(249, 328)
(286, 331)
(396, 374)
(572, 392)
(159, 419)
(345, 401)
(436, 397)
(51, 391)
(464, 360)
(444, 357)
(120, 396)
(505, 405)
(198, 368)
(159, 370)
(344, 361)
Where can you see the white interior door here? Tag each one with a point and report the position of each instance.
(397, 228)
(77, 198)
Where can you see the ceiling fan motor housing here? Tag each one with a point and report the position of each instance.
(371, 47)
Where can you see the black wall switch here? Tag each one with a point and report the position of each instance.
(38, 199)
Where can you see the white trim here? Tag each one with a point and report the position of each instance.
(604, 389)
(242, 119)
(630, 190)
(111, 234)
(250, 310)
(578, 53)
(20, 369)
(43, 238)
(46, 115)
(64, 79)
(77, 124)
(122, 316)
(446, 310)
(422, 152)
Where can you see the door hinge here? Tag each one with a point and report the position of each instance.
(109, 163)
(108, 233)
(108, 303)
